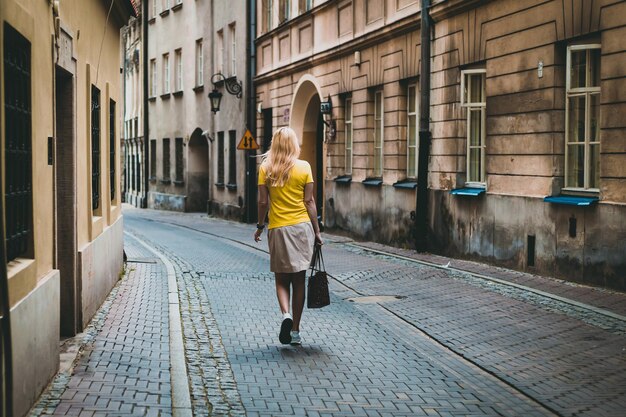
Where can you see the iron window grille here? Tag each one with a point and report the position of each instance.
(232, 157)
(95, 148)
(179, 159)
(153, 159)
(473, 97)
(412, 133)
(379, 126)
(166, 159)
(220, 158)
(348, 136)
(112, 148)
(18, 143)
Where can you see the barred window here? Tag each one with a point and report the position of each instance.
(18, 144)
(348, 135)
(232, 157)
(166, 159)
(179, 160)
(112, 148)
(153, 158)
(379, 127)
(95, 148)
(411, 131)
(220, 158)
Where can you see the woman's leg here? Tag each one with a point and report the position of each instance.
(297, 302)
(283, 282)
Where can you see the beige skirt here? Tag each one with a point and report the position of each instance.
(291, 247)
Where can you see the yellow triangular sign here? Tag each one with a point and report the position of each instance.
(247, 142)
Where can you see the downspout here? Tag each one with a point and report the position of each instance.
(421, 203)
(146, 125)
(251, 189)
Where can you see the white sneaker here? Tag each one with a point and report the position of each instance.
(295, 338)
(285, 329)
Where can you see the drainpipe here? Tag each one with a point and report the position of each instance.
(146, 130)
(251, 189)
(421, 203)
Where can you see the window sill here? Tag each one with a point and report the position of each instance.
(219, 184)
(407, 184)
(570, 200)
(152, 179)
(165, 181)
(372, 182)
(177, 7)
(198, 88)
(468, 191)
(231, 187)
(179, 183)
(152, 20)
(165, 96)
(343, 179)
(178, 93)
(164, 13)
(153, 98)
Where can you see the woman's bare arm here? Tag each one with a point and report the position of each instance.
(311, 209)
(263, 207)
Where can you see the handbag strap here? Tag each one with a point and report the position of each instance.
(317, 261)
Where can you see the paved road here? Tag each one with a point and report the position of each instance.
(401, 337)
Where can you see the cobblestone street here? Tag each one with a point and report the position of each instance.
(405, 335)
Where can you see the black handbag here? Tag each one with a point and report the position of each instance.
(317, 287)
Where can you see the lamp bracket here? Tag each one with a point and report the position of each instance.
(233, 86)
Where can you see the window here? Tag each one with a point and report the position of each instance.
(220, 51)
(474, 99)
(266, 18)
(220, 158)
(305, 5)
(154, 8)
(153, 76)
(18, 184)
(179, 1)
(112, 148)
(233, 51)
(153, 159)
(179, 69)
(95, 148)
(166, 73)
(199, 63)
(166, 4)
(284, 7)
(348, 135)
(232, 157)
(179, 160)
(378, 133)
(411, 132)
(582, 117)
(166, 159)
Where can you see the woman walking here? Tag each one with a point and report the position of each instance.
(286, 190)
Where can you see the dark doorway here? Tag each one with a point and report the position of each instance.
(267, 129)
(66, 240)
(319, 166)
(198, 173)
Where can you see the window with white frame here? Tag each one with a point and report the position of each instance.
(166, 73)
(166, 4)
(284, 7)
(199, 63)
(305, 5)
(582, 117)
(179, 69)
(379, 127)
(154, 8)
(220, 51)
(233, 50)
(348, 134)
(266, 15)
(473, 98)
(153, 78)
(411, 131)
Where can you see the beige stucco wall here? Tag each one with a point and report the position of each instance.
(524, 128)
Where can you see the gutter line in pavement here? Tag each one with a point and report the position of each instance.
(181, 399)
(499, 281)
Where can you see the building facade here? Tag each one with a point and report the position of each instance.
(525, 103)
(61, 205)
(193, 161)
(133, 172)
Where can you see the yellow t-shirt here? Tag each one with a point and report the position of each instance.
(287, 202)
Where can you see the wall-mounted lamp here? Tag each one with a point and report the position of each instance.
(233, 86)
(326, 109)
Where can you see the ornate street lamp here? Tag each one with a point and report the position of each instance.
(233, 86)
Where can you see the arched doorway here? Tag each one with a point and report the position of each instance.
(307, 122)
(197, 172)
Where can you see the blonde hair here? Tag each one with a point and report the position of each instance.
(282, 156)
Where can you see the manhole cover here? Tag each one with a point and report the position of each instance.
(371, 299)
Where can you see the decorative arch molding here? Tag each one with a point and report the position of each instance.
(307, 87)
